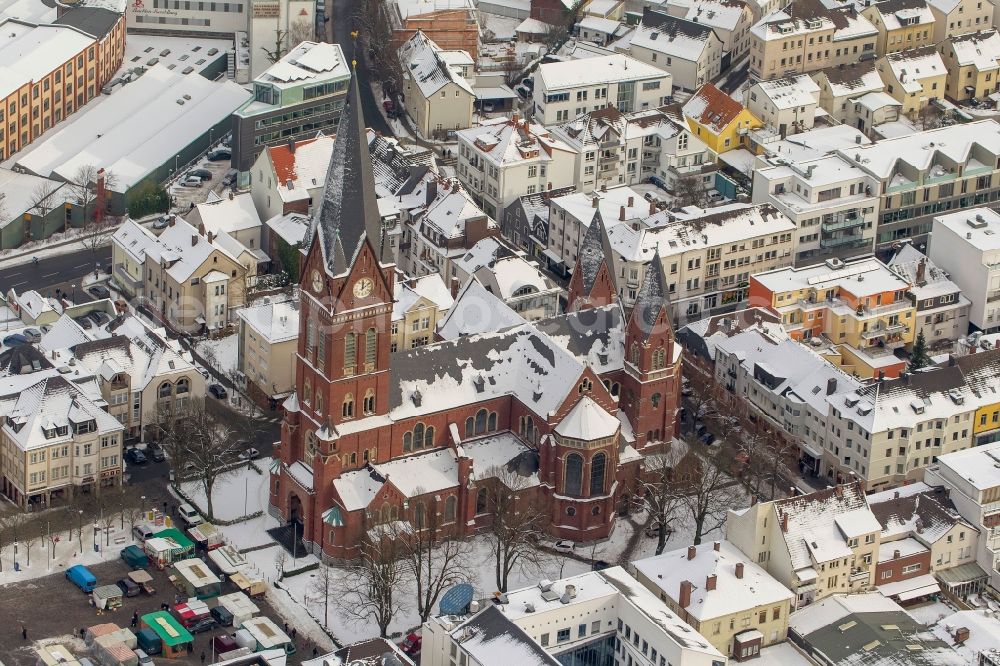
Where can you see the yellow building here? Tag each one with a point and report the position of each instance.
(420, 304)
(726, 597)
(971, 61)
(269, 335)
(913, 77)
(718, 120)
(901, 24)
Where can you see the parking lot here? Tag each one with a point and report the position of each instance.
(185, 197)
(53, 608)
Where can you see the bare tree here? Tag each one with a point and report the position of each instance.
(280, 46)
(199, 447)
(376, 34)
(33, 532)
(710, 494)
(690, 191)
(280, 561)
(929, 116)
(321, 589)
(761, 459)
(301, 31)
(43, 199)
(367, 592)
(434, 560)
(662, 491)
(516, 528)
(107, 523)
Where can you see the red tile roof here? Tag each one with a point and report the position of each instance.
(716, 109)
(283, 160)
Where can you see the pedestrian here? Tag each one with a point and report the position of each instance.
(203, 656)
(24, 632)
(295, 632)
(315, 652)
(286, 627)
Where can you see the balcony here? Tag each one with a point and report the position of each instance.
(992, 296)
(882, 331)
(891, 308)
(840, 241)
(847, 221)
(859, 575)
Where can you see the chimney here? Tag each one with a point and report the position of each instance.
(739, 570)
(604, 188)
(210, 236)
(717, 546)
(432, 192)
(753, 500)
(692, 551)
(710, 582)
(201, 228)
(621, 213)
(652, 208)
(594, 201)
(454, 287)
(631, 201)
(515, 119)
(921, 270)
(455, 187)
(784, 522)
(685, 597)
(291, 146)
(839, 491)
(961, 634)
(831, 385)
(895, 495)
(231, 195)
(895, 554)
(170, 220)
(194, 240)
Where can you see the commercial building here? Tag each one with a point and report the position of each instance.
(972, 64)
(298, 96)
(726, 597)
(34, 208)
(565, 90)
(914, 77)
(901, 24)
(222, 20)
(268, 336)
(690, 51)
(964, 244)
(436, 92)
(807, 36)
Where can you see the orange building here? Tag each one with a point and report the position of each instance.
(451, 24)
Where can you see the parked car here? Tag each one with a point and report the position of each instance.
(144, 659)
(142, 531)
(128, 587)
(220, 155)
(204, 174)
(249, 454)
(200, 625)
(488, 107)
(32, 334)
(600, 565)
(230, 178)
(522, 91)
(654, 530)
(99, 318)
(100, 291)
(191, 181)
(161, 222)
(564, 546)
(189, 515)
(15, 340)
(134, 556)
(411, 644)
(157, 455)
(80, 576)
(135, 456)
(222, 616)
(528, 83)
(84, 322)
(217, 391)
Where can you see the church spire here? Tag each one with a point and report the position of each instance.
(652, 304)
(592, 283)
(348, 212)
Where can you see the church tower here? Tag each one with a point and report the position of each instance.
(592, 284)
(652, 380)
(345, 308)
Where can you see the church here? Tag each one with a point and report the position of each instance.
(562, 410)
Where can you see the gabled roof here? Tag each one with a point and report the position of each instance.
(917, 510)
(981, 49)
(712, 108)
(673, 36)
(427, 64)
(854, 79)
(348, 213)
(812, 531)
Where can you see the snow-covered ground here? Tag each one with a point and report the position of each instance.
(783, 654)
(67, 553)
(236, 495)
(931, 613)
(222, 350)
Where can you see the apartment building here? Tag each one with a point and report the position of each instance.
(816, 545)
(419, 305)
(872, 110)
(942, 308)
(707, 255)
(56, 439)
(806, 36)
(928, 173)
(690, 51)
(860, 307)
(840, 86)
(569, 621)
(901, 24)
(436, 91)
(505, 158)
(718, 120)
(511, 278)
(972, 64)
(972, 481)
(787, 106)
(725, 596)
(268, 337)
(451, 24)
(729, 19)
(568, 89)
(54, 69)
(914, 77)
(299, 95)
(833, 204)
(958, 18)
(965, 245)
(525, 225)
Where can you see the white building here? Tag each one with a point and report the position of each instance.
(293, 21)
(565, 90)
(942, 308)
(690, 51)
(437, 93)
(729, 19)
(966, 244)
(787, 106)
(839, 85)
(511, 278)
(166, 17)
(233, 215)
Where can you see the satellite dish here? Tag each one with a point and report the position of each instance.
(456, 600)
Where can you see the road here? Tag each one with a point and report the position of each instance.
(59, 271)
(338, 30)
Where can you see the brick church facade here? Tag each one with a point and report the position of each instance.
(566, 407)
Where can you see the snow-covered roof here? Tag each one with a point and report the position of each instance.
(896, 14)
(184, 250)
(592, 71)
(873, 101)
(309, 62)
(860, 278)
(672, 36)
(508, 141)
(475, 311)
(411, 8)
(835, 608)
(712, 108)
(587, 421)
(302, 170)
(912, 65)
(981, 49)
(530, 26)
(854, 79)
(794, 91)
(599, 24)
(732, 593)
(408, 293)
(449, 212)
(65, 333)
(29, 52)
(28, 10)
(134, 239)
(289, 227)
(414, 475)
(20, 193)
(490, 638)
(927, 279)
(512, 275)
(275, 322)
(229, 215)
(979, 466)
(136, 129)
(983, 636)
(905, 547)
(717, 14)
(429, 66)
(503, 450)
(977, 227)
(802, 17)
(813, 534)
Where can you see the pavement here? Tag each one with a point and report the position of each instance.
(338, 30)
(59, 271)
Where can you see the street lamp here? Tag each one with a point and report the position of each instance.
(176, 157)
(96, 529)
(143, 500)
(79, 529)
(74, 293)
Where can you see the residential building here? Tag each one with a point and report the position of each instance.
(451, 24)
(436, 91)
(565, 90)
(942, 309)
(959, 17)
(817, 545)
(923, 524)
(690, 51)
(971, 479)
(54, 69)
(964, 245)
(56, 439)
(233, 215)
(839, 86)
(785, 105)
(807, 36)
(511, 278)
(718, 120)
(419, 305)
(927, 173)
(607, 613)
(833, 204)
(288, 178)
(729, 19)
(298, 96)
(597, 29)
(724, 596)
(268, 336)
(871, 110)
(913, 76)
(525, 224)
(505, 158)
(901, 24)
(971, 62)
(866, 627)
(436, 423)
(860, 307)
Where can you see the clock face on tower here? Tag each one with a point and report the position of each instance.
(363, 287)
(317, 281)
